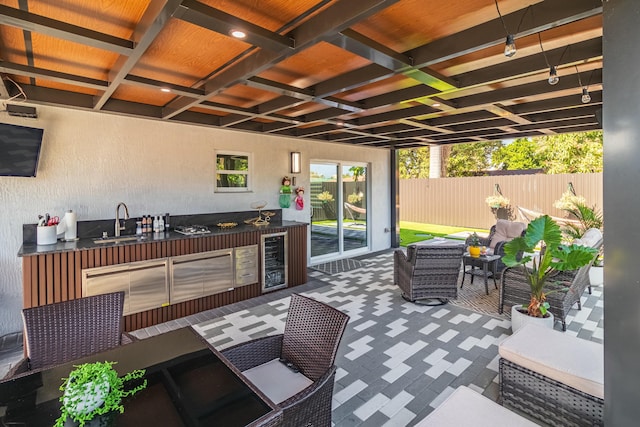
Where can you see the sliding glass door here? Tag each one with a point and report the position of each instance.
(339, 225)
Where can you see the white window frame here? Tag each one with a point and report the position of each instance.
(248, 173)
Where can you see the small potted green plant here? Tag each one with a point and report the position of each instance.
(95, 389)
(554, 257)
(474, 245)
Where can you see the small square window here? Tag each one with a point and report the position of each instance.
(233, 171)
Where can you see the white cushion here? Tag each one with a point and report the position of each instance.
(573, 361)
(277, 381)
(589, 238)
(465, 407)
(505, 231)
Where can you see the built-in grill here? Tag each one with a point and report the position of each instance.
(192, 230)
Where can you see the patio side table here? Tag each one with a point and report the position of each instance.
(480, 266)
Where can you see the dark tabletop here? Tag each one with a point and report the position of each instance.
(189, 384)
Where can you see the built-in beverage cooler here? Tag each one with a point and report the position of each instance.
(274, 261)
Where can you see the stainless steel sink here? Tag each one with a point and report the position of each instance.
(118, 239)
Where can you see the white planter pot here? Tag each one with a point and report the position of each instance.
(91, 396)
(596, 276)
(518, 319)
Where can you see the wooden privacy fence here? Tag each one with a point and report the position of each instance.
(461, 201)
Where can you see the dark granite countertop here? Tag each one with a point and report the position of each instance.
(29, 249)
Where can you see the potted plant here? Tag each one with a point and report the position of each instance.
(327, 204)
(95, 389)
(474, 245)
(554, 257)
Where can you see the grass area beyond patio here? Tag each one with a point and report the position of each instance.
(411, 232)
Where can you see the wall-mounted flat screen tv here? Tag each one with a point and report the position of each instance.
(19, 150)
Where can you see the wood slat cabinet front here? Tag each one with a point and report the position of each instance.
(55, 277)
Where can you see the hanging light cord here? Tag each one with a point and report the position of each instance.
(580, 80)
(578, 73)
(543, 52)
(501, 19)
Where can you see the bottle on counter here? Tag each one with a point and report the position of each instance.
(139, 227)
(145, 228)
(155, 224)
(160, 224)
(167, 220)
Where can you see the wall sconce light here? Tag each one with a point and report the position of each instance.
(296, 165)
(295, 162)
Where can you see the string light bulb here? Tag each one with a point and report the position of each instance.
(553, 75)
(509, 46)
(586, 98)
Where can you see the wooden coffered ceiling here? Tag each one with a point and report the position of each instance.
(382, 73)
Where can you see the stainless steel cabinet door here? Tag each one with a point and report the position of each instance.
(149, 287)
(198, 275)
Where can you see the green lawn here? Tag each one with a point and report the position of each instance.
(411, 232)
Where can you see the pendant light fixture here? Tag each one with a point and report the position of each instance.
(553, 75)
(510, 44)
(553, 71)
(586, 98)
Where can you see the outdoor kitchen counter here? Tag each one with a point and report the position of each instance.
(30, 249)
(55, 273)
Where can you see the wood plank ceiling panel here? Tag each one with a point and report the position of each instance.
(179, 56)
(316, 64)
(243, 96)
(412, 23)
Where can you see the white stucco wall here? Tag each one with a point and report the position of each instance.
(91, 161)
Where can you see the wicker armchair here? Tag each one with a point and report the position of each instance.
(501, 232)
(64, 331)
(312, 334)
(567, 286)
(428, 272)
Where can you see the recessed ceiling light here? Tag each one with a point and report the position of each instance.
(165, 89)
(239, 34)
(437, 104)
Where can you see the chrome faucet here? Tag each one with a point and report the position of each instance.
(126, 216)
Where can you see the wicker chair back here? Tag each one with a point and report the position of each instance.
(312, 334)
(64, 331)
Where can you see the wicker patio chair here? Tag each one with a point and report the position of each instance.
(61, 332)
(501, 232)
(567, 286)
(428, 272)
(302, 356)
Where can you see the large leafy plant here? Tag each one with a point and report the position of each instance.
(543, 232)
(87, 381)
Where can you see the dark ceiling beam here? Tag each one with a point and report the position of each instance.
(580, 111)
(56, 76)
(398, 96)
(154, 19)
(522, 91)
(28, 21)
(393, 115)
(532, 64)
(278, 104)
(567, 121)
(548, 14)
(352, 79)
(360, 45)
(552, 104)
(301, 94)
(155, 84)
(331, 20)
(221, 22)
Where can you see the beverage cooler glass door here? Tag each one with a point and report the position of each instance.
(274, 261)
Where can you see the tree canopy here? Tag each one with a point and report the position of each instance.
(564, 153)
